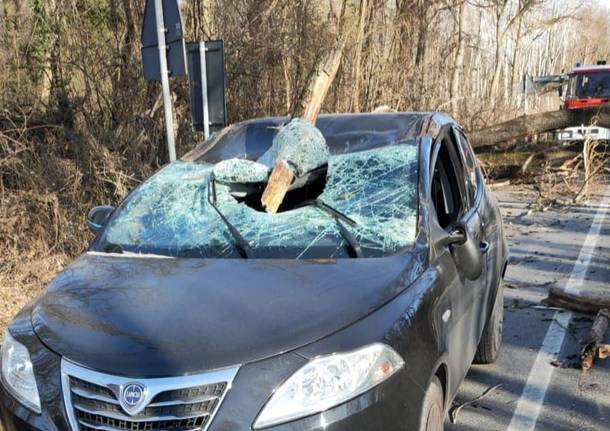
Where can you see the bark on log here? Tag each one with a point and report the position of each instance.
(318, 83)
(308, 107)
(584, 303)
(594, 339)
(528, 125)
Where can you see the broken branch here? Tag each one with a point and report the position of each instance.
(594, 339)
(318, 83)
(276, 189)
(307, 107)
(587, 304)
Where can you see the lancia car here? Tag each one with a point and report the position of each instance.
(360, 305)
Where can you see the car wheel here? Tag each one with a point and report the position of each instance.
(432, 416)
(489, 346)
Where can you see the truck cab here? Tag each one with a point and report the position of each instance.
(586, 86)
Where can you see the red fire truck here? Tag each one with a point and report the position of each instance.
(585, 87)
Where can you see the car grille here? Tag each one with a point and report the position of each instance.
(178, 404)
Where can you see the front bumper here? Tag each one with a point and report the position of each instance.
(16, 417)
(584, 133)
(387, 407)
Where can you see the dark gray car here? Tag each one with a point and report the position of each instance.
(359, 306)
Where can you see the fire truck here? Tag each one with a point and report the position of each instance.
(584, 87)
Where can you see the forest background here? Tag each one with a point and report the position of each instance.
(80, 127)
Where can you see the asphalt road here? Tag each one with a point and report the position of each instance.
(546, 249)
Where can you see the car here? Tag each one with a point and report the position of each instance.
(360, 305)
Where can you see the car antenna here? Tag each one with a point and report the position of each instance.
(244, 248)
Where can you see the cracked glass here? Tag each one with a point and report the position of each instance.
(170, 214)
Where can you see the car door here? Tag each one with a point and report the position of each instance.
(490, 227)
(465, 297)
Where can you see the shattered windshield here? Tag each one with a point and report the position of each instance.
(170, 213)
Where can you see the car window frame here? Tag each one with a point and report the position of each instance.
(480, 183)
(446, 133)
(464, 145)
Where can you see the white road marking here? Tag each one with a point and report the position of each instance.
(530, 403)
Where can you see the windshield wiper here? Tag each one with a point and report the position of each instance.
(356, 250)
(244, 248)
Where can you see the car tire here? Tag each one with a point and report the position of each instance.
(433, 410)
(489, 346)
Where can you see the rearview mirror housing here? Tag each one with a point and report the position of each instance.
(98, 217)
(467, 254)
(457, 236)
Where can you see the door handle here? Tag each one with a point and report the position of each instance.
(484, 247)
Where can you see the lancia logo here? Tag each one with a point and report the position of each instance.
(132, 398)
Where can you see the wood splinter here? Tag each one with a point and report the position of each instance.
(277, 187)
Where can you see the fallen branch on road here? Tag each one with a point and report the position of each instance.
(588, 302)
(593, 343)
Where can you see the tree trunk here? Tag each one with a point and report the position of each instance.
(528, 125)
(516, 48)
(456, 76)
(308, 107)
(355, 105)
(500, 40)
(318, 83)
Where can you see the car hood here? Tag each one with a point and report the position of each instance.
(147, 316)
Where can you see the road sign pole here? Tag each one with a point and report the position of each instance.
(167, 97)
(204, 90)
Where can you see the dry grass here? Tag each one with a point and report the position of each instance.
(45, 193)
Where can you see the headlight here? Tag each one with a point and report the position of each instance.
(328, 381)
(18, 373)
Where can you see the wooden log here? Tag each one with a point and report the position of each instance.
(498, 185)
(586, 303)
(594, 339)
(528, 125)
(276, 189)
(308, 107)
(318, 83)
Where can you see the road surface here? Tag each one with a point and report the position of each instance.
(569, 247)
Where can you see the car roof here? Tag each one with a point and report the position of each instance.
(344, 133)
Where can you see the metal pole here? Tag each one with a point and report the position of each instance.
(167, 97)
(204, 90)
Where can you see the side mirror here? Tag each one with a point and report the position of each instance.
(457, 237)
(466, 251)
(98, 217)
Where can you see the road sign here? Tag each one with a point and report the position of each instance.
(164, 56)
(206, 69)
(174, 40)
